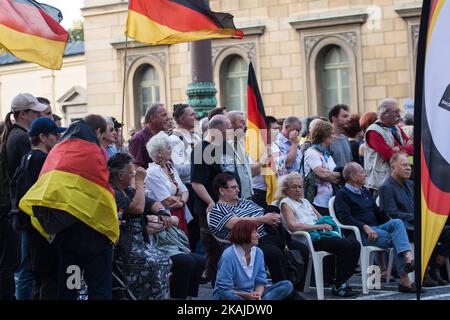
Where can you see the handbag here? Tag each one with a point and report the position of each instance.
(294, 268)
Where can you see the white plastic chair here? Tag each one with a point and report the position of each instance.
(366, 258)
(315, 259)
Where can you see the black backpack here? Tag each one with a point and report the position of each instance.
(20, 183)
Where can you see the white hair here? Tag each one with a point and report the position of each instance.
(384, 106)
(232, 114)
(157, 143)
(283, 184)
(109, 120)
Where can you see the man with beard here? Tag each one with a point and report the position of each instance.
(340, 149)
(384, 138)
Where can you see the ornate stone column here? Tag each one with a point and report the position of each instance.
(201, 92)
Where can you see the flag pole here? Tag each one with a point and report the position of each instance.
(418, 110)
(124, 78)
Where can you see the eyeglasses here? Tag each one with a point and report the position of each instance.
(296, 187)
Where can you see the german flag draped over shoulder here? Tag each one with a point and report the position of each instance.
(175, 21)
(432, 115)
(74, 179)
(31, 31)
(258, 133)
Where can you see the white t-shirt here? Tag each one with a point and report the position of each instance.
(303, 211)
(314, 159)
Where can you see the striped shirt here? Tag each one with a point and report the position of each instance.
(222, 213)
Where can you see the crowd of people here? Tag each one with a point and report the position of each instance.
(193, 207)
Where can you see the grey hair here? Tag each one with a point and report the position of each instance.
(349, 169)
(291, 120)
(151, 111)
(157, 143)
(217, 122)
(109, 120)
(232, 114)
(283, 184)
(383, 108)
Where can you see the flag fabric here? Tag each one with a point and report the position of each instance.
(258, 133)
(74, 179)
(31, 31)
(433, 132)
(175, 21)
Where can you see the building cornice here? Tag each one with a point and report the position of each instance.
(329, 19)
(408, 10)
(22, 66)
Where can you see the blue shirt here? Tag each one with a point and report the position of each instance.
(232, 276)
(284, 146)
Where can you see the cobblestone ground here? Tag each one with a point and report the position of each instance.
(387, 292)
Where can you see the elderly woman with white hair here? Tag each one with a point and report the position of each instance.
(163, 184)
(297, 214)
(162, 181)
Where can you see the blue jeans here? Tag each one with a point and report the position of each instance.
(278, 291)
(392, 234)
(24, 283)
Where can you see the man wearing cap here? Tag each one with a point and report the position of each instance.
(42, 258)
(14, 145)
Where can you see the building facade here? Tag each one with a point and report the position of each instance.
(308, 55)
(65, 88)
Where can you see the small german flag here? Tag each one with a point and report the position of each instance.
(258, 133)
(31, 31)
(175, 21)
(74, 179)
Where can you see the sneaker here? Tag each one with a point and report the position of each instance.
(344, 291)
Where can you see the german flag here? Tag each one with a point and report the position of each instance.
(74, 179)
(432, 132)
(31, 31)
(258, 132)
(175, 21)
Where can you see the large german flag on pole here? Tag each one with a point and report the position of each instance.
(432, 116)
(174, 21)
(74, 179)
(31, 31)
(258, 133)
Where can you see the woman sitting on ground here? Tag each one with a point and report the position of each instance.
(241, 273)
(299, 215)
(146, 269)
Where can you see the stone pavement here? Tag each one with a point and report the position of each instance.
(387, 292)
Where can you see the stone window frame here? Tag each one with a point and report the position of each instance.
(342, 29)
(247, 49)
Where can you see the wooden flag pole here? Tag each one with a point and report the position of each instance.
(124, 79)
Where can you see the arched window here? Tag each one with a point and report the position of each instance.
(333, 78)
(233, 83)
(146, 91)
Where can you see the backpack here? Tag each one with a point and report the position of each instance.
(20, 183)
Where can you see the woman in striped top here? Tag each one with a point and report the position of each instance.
(230, 209)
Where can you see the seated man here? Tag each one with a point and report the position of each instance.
(397, 201)
(355, 206)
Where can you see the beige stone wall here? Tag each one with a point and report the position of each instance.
(381, 50)
(28, 77)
